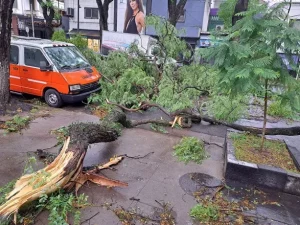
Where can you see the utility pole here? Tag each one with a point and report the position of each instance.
(32, 22)
(115, 15)
(78, 6)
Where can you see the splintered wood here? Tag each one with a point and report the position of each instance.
(57, 175)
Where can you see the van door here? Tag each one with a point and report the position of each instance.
(14, 76)
(33, 79)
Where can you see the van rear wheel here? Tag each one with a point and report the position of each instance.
(53, 99)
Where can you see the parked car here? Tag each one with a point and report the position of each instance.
(54, 70)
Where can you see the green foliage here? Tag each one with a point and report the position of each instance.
(248, 61)
(170, 45)
(227, 109)
(227, 11)
(59, 35)
(6, 189)
(78, 40)
(128, 81)
(180, 89)
(248, 55)
(130, 78)
(17, 123)
(158, 128)
(190, 149)
(61, 134)
(204, 213)
(276, 108)
(60, 205)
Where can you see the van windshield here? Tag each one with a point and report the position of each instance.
(65, 58)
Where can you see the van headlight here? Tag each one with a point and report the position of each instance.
(75, 87)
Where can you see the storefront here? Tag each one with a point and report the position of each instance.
(20, 22)
(92, 36)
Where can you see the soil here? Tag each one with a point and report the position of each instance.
(274, 153)
(16, 106)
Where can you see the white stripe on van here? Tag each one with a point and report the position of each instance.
(37, 81)
(15, 77)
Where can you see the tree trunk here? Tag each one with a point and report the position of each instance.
(241, 6)
(65, 171)
(265, 115)
(49, 30)
(290, 131)
(175, 10)
(5, 36)
(48, 13)
(103, 8)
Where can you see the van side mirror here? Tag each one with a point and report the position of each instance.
(44, 66)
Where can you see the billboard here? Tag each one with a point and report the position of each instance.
(131, 28)
(134, 17)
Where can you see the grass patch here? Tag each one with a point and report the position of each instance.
(190, 149)
(16, 124)
(205, 213)
(276, 109)
(275, 153)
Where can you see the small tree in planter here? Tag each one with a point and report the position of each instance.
(248, 62)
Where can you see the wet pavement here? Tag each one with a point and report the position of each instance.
(155, 179)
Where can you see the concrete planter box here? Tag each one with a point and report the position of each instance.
(261, 175)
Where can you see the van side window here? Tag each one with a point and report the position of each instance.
(14, 54)
(33, 57)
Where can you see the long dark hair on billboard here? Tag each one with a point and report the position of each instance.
(129, 12)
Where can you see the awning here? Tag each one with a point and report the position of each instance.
(93, 34)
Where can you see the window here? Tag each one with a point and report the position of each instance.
(33, 57)
(91, 13)
(182, 17)
(14, 54)
(66, 58)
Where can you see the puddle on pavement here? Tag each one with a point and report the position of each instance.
(194, 182)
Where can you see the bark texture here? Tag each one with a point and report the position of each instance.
(103, 12)
(48, 13)
(65, 171)
(175, 10)
(5, 35)
(241, 6)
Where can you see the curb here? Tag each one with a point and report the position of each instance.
(261, 175)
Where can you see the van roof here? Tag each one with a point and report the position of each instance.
(36, 42)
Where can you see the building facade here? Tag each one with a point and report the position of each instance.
(192, 22)
(22, 17)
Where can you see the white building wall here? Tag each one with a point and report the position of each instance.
(206, 15)
(87, 24)
(23, 8)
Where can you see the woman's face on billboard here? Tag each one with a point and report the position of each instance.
(133, 5)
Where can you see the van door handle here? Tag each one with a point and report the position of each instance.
(15, 68)
(25, 70)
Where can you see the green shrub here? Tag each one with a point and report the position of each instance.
(227, 109)
(280, 110)
(190, 149)
(204, 213)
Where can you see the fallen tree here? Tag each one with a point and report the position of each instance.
(186, 116)
(65, 172)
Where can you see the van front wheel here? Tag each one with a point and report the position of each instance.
(53, 98)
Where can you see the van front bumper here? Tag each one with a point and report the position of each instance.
(78, 97)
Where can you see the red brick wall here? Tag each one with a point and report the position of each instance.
(14, 25)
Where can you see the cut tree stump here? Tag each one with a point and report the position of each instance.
(65, 171)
